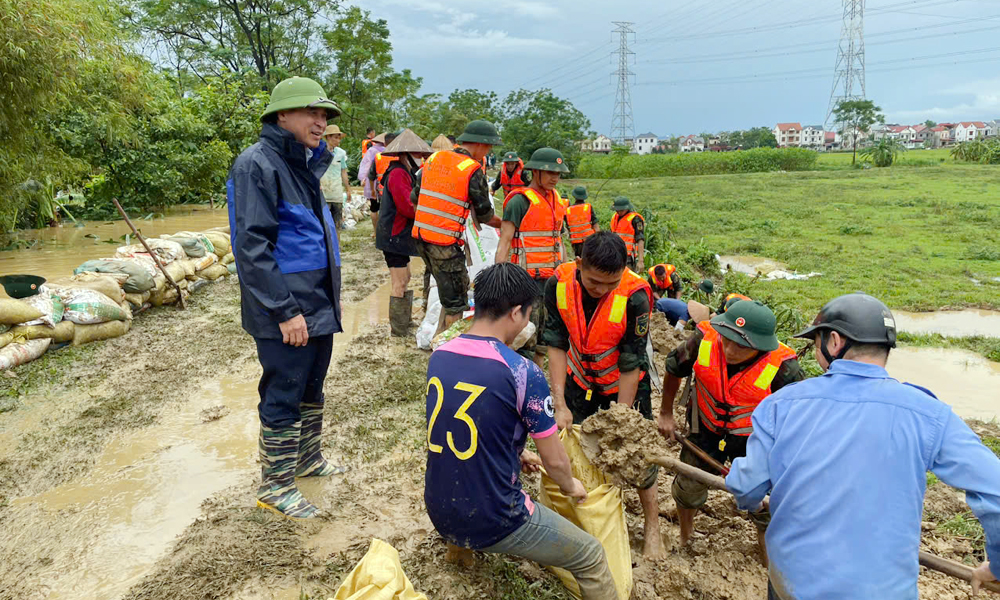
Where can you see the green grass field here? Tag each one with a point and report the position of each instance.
(911, 158)
(914, 237)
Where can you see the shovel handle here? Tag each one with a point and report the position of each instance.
(704, 456)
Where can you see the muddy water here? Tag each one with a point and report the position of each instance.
(954, 323)
(62, 249)
(148, 486)
(965, 380)
(750, 265)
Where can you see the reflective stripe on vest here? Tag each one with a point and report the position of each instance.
(537, 243)
(623, 227)
(725, 405)
(665, 283)
(593, 354)
(579, 217)
(443, 205)
(509, 182)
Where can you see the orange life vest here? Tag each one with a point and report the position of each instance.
(509, 182)
(537, 244)
(725, 405)
(443, 205)
(623, 227)
(382, 163)
(580, 217)
(665, 283)
(593, 347)
(365, 145)
(730, 297)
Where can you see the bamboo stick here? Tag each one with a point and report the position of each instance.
(704, 456)
(156, 259)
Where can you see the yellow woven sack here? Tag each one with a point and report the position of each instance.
(378, 576)
(602, 515)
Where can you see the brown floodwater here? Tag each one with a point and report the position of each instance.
(952, 323)
(965, 380)
(62, 249)
(148, 486)
(750, 265)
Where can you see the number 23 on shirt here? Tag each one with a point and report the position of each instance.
(461, 415)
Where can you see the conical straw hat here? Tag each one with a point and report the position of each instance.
(442, 142)
(408, 143)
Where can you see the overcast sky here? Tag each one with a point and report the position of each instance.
(707, 65)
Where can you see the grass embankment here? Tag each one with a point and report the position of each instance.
(758, 160)
(835, 161)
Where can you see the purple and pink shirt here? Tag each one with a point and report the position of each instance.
(483, 401)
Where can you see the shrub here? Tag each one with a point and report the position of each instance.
(757, 160)
(986, 152)
(884, 153)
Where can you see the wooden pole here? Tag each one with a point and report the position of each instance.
(721, 468)
(715, 482)
(156, 259)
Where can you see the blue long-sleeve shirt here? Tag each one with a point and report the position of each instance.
(844, 457)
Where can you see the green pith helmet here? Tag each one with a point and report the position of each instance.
(300, 92)
(706, 286)
(580, 192)
(547, 159)
(622, 203)
(480, 132)
(511, 157)
(748, 323)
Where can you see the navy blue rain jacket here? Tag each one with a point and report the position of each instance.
(285, 244)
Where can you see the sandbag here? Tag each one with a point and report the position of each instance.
(214, 272)
(135, 299)
(84, 334)
(602, 515)
(189, 267)
(176, 271)
(232, 268)
(8, 338)
(378, 576)
(87, 307)
(139, 279)
(50, 306)
(193, 247)
(160, 283)
(224, 229)
(13, 355)
(14, 312)
(63, 332)
(109, 284)
(205, 262)
(166, 250)
(457, 328)
(220, 241)
(167, 296)
(228, 259)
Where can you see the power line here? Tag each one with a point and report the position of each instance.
(849, 72)
(622, 125)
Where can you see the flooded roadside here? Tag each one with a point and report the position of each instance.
(965, 380)
(759, 266)
(951, 323)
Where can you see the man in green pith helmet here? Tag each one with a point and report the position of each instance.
(630, 226)
(288, 260)
(531, 232)
(581, 220)
(512, 174)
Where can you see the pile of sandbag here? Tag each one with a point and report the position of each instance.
(98, 300)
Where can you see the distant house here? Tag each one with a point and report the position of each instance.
(967, 131)
(813, 136)
(691, 143)
(994, 127)
(942, 135)
(599, 145)
(645, 142)
(788, 134)
(921, 135)
(830, 139)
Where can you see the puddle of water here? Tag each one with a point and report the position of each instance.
(965, 380)
(65, 248)
(750, 265)
(148, 486)
(953, 323)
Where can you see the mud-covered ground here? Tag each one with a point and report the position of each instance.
(64, 412)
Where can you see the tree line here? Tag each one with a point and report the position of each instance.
(150, 101)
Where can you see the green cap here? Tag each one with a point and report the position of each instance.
(706, 286)
(748, 323)
(580, 192)
(622, 203)
(300, 92)
(547, 159)
(510, 157)
(480, 132)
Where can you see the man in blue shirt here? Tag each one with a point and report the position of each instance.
(844, 457)
(483, 401)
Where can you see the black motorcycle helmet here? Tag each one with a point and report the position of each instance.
(858, 317)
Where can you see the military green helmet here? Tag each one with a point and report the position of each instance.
(480, 132)
(580, 192)
(707, 286)
(510, 157)
(547, 159)
(622, 203)
(750, 324)
(300, 92)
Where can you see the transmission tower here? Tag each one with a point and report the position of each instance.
(622, 126)
(849, 73)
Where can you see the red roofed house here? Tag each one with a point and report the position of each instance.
(829, 139)
(691, 143)
(967, 131)
(943, 134)
(788, 134)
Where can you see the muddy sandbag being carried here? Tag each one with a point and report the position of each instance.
(63, 332)
(139, 278)
(109, 284)
(379, 576)
(167, 250)
(214, 272)
(13, 355)
(15, 312)
(84, 334)
(50, 306)
(602, 515)
(87, 307)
